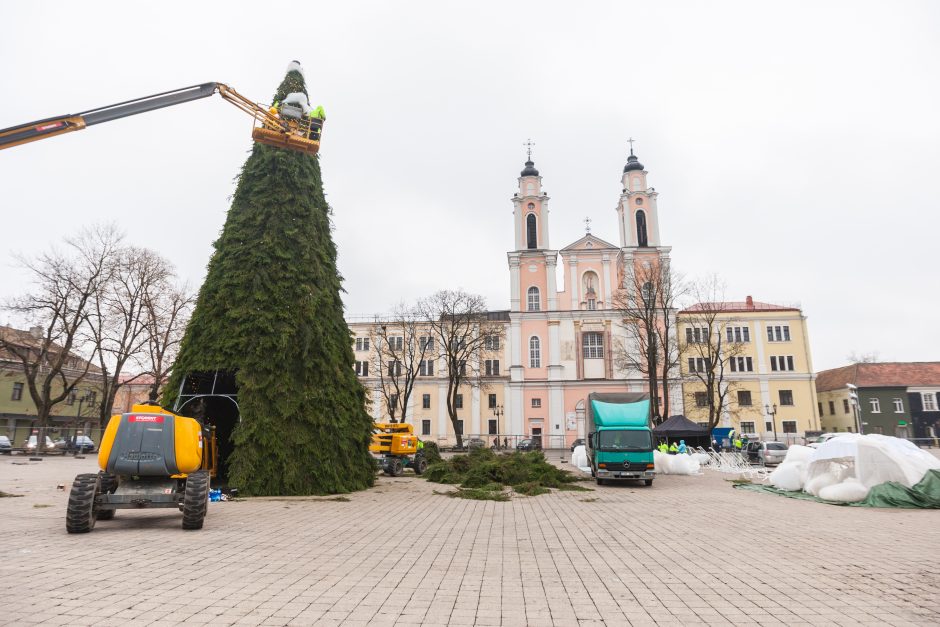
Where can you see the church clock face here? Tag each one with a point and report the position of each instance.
(639, 201)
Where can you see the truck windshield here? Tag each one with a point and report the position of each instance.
(624, 441)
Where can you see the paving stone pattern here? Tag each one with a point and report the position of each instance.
(689, 550)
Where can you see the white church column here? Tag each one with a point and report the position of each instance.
(550, 274)
(515, 411)
(556, 415)
(574, 285)
(608, 295)
(514, 297)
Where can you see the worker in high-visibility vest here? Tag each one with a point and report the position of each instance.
(737, 444)
(674, 449)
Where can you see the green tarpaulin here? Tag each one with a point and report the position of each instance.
(924, 495)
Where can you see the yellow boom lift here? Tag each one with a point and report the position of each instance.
(300, 133)
(149, 457)
(395, 447)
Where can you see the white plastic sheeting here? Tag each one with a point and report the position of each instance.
(848, 491)
(294, 66)
(298, 98)
(579, 458)
(845, 468)
(675, 464)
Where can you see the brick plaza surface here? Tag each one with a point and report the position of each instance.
(689, 550)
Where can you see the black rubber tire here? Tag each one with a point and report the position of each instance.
(80, 517)
(395, 467)
(599, 480)
(420, 466)
(647, 482)
(196, 499)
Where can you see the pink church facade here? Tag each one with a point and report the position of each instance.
(562, 331)
(563, 328)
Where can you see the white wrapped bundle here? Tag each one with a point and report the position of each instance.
(849, 491)
(798, 453)
(579, 457)
(788, 476)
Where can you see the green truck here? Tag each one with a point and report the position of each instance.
(620, 442)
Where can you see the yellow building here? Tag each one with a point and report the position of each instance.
(79, 410)
(763, 368)
(481, 408)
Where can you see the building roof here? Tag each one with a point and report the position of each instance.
(529, 169)
(737, 306)
(900, 374)
(33, 339)
(632, 163)
(595, 242)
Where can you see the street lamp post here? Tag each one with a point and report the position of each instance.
(497, 413)
(772, 412)
(853, 394)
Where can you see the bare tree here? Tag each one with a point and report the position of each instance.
(864, 358)
(402, 351)
(65, 286)
(647, 309)
(708, 349)
(168, 307)
(118, 319)
(463, 330)
(672, 290)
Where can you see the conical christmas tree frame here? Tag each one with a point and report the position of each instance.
(270, 312)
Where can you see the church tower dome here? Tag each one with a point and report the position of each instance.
(529, 169)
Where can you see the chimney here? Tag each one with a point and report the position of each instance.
(750, 303)
(36, 332)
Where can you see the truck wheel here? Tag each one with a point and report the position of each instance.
(599, 480)
(420, 466)
(647, 482)
(80, 516)
(195, 499)
(395, 467)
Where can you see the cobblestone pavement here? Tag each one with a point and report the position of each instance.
(689, 550)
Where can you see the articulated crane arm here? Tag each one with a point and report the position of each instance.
(271, 128)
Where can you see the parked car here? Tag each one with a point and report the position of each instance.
(473, 443)
(83, 443)
(6, 447)
(530, 444)
(825, 437)
(766, 453)
(577, 443)
(48, 446)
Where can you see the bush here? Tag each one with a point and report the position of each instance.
(482, 470)
(432, 452)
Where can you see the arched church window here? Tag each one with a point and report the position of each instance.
(641, 239)
(648, 293)
(533, 300)
(535, 352)
(532, 238)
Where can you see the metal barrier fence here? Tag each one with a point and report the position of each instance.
(506, 441)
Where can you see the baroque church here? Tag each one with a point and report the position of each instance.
(563, 343)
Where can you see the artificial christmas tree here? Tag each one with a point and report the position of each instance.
(270, 311)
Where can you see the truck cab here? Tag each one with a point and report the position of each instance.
(620, 445)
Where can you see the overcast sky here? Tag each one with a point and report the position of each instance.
(795, 145)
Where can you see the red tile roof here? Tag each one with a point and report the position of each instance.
(736, 306)
(887, 374)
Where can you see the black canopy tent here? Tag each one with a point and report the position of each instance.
(677, 428)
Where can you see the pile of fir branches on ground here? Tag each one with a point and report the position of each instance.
(485, 475)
